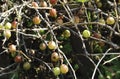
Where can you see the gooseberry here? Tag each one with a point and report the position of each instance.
(14, 24)
(86, 33)
(51, 45)
(66, 33)
(35, 4)
(36, 20)
(56, 71)
(53, 2)
(64, 68)
(53, 12)
(8, 25)
(110, 20)
(54, 57)
(26, 66)
(42, 46)
(7, 34)
(12, 48)
(18, 59)
(43, 4)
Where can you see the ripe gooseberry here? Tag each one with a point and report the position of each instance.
(26, 66)
(64, 68)
(12, 48)
(53, 2)
(66, 33)
(110, 20)
(86, 33)
(18, 59)
(102, 21)
(59, 20)
(36, 20)
(7, 34)
(97, 35)
(35, 4)
(54, 57)
(51, 45)
(56, 71)
(8, 25)
(42, 46)
(53, 12)
(14, 24)
(43, 4)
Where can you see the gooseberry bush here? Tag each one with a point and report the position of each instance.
(59, 39)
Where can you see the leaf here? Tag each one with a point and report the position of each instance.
(101, 77)
(98, 48)
(67, 48)
(83, 1)
(76, 66)
(14, 75)
(13, 54)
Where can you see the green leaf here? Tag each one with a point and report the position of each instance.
(13, 54)
(83, 1)
(67, 48)
(98, 48)
(76, 66)
(14, 76)
(101, 77)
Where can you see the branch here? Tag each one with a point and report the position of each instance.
(94, 72)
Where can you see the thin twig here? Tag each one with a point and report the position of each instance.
(7, 67)
(94, 72)
(108, 61)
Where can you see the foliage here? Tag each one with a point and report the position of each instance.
(59, 39)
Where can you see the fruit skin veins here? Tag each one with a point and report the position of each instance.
(7, 34)
(56, 71)
(26, 66)
(110, 20)
(86, 33)
(54, 57)
(64, 68)
(51, 45)
(53, 12)
(53, 2)
(8, 25)
(36, 20)
(12, 48)
(42, 46)
(18, 59)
